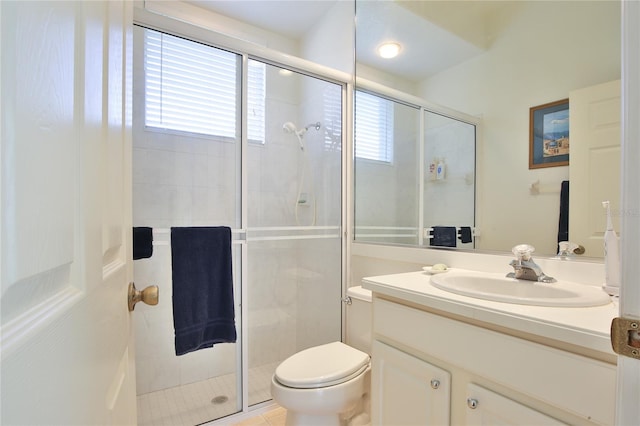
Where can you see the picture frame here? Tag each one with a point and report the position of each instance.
(549, 135)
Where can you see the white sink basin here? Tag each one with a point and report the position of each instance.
(498, 287)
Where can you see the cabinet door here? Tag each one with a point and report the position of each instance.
(406, 390)
(485, 407)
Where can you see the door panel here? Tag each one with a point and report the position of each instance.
(38, 218)
(66, 214)
(595, 164)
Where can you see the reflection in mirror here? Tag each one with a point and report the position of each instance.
(400, 199)
(495, 60)
(449, 189)
(386, 170)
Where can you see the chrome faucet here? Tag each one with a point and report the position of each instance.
(524, 268)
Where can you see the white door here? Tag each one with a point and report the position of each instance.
(628, 395)
(595, 160)
(67, 356)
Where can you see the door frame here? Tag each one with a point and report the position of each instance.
(628, 381)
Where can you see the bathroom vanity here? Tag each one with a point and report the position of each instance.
(441, 358)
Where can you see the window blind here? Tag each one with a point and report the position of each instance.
(256, 101)
(374, 128)
(332, 118)
(195, 88)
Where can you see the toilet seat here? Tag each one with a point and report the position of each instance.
(322, 366)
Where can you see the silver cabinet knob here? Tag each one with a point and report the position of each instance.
(435, 384)
(472, 403)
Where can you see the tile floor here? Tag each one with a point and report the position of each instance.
(274, 417)
(191, 404)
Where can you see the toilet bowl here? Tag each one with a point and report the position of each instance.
(328, 385)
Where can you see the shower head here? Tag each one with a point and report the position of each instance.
(289, 127)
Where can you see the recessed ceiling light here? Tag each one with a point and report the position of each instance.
(285, 72)
(389, 50)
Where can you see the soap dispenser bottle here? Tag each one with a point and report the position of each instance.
(440, 169)
(611, 256)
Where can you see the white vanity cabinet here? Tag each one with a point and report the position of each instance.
(484, 376)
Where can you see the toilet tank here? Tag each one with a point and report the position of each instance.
(359, 320)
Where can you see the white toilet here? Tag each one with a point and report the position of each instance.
(328, 385)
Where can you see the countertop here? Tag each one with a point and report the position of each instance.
(587, 327)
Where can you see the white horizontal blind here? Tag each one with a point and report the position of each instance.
(374, 127)
(332, 117)
(256, 101)
(191, 87)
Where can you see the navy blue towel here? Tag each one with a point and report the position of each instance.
(203, 312)
(444, 236)
(465, 234)
(563, 223)
(142, 242)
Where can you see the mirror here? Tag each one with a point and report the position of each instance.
(386, 174)
(493, 60)
(414, 170)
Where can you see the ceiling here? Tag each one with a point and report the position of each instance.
(291, 18)
(434, 35)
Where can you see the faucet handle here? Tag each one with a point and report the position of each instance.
(567, 247)
(523, 251)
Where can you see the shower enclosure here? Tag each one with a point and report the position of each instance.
(266, 164)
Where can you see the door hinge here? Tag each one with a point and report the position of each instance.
(625, 337)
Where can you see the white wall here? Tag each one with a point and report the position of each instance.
(533, 61)
(330, 41)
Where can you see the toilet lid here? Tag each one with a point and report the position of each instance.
(321, 366)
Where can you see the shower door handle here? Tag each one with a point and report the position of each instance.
(149, 295)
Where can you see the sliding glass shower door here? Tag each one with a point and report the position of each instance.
(186, 172)
(293, 224)
(272, 173)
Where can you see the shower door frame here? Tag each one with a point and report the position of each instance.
(180, 27)
(307, 69)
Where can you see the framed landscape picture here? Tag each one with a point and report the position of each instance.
(549, 135)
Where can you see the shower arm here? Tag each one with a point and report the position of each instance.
(315, 125)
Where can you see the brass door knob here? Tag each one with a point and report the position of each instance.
(149, 295)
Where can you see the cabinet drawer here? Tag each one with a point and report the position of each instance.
(577, 384)
(487, 408)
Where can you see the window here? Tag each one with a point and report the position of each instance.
(191, 87)
(374, 128)
(256, 101)
(332, 117)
